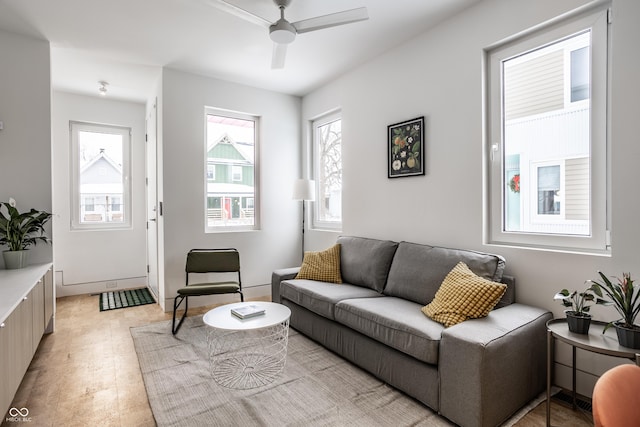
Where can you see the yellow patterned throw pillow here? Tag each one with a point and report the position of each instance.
(323, 266)
(463, 295)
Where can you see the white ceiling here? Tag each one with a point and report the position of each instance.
(127, 42)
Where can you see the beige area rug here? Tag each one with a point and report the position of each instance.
(316, 388)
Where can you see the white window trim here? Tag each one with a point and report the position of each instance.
(597, 243)
(314, 124)
(256, 171)
(74, 129)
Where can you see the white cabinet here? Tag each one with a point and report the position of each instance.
(37, 314)
(27, 305)
(49, 301)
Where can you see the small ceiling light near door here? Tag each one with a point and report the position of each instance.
(103, 88)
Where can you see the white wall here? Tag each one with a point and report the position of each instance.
(156, 99)
(439, 75)
(183, 99)
(25, 141)
(85, 260)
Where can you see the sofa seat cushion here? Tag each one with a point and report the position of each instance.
(417, 270)
(395, 322)
(321, 297)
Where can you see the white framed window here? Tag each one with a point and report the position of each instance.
(116, 204)
(89, 204)
(236, 173)
(327, 149)
(100, 176)
(548, 192)
(579, 74)
(546, 136)
(231, 179)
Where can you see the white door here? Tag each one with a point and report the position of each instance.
(152, 201)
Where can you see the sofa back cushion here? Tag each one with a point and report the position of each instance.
(365, 262)
(417, 270)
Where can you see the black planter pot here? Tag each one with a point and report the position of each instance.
(628, 337)
(578, 323)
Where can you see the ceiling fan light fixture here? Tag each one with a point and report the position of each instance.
(282, 32)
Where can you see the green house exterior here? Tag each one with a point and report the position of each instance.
(230, 183)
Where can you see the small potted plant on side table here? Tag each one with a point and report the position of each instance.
(578, 317)
(625, 297)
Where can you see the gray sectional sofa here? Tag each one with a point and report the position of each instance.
(476, 373)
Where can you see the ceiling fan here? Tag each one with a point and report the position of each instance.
(283, 32)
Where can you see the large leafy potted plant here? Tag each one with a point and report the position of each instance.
(578, 317)
(19, 231)
(625, 297)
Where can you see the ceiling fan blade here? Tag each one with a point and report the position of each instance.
(239, 12)
(279, 55)
(331, 20)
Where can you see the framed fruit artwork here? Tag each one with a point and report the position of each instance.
(406, 148)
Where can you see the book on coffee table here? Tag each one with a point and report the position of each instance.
(247, 311)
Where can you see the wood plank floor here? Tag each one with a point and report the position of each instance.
(86, 373)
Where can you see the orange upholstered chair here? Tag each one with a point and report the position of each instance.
(616, 398)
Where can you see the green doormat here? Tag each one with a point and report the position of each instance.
(124, 299)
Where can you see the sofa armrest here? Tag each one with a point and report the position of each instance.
(491, 367)
(278, 276)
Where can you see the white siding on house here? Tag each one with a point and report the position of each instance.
(576, 188)
(550, 136)
(534, 86)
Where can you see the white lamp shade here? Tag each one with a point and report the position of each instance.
(304, 189)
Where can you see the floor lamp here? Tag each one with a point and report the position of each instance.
(303, 189)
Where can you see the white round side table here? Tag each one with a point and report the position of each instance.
(251, 352)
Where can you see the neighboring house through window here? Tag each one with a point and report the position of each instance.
(547, 136)
(100, 176)
(327, 148)
(231, 187)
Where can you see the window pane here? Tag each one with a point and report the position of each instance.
(547, 137)
(546, 94)
(328, 140)
(100, 157)
(230, 179)
(548, 189)
(579, 74)
(236, 173)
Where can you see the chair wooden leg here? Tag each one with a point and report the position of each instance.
(241, 296)
(176, 304)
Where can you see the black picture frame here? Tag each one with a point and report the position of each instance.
(405, 148)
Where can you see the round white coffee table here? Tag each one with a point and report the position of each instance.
(251, 352)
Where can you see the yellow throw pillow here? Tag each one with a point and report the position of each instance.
(323, 266)
(463, 295)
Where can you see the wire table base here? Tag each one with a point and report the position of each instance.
(249, 358)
